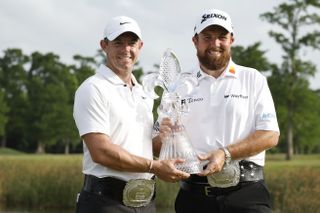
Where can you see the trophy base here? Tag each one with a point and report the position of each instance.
(190, 167)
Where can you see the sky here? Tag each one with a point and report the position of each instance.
(70, 27)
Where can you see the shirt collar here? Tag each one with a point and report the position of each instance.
(110, 76)
(230, 71)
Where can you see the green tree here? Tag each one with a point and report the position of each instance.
(3, 114)
(63, 123)
(307, 127)
(306, 116)
(50, 88)
(12, 84)
(84, 68)
(294, 19)
(251, 56)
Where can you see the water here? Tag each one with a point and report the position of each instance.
(20, 210)
(23, 210)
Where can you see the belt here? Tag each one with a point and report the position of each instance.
(249, 172)
(107, 186)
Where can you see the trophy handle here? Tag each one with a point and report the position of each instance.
(149, 82)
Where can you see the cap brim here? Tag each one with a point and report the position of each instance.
(114, 35)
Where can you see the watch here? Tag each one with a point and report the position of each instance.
(227, 155)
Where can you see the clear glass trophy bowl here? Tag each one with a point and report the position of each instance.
(177, 144)
(176, 85)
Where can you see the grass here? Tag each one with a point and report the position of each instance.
(294, 184)
(40, 180)
(8, 151)
(278, 162)
(52, 181)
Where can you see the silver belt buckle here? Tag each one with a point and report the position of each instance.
(138, 192)
(228, 176)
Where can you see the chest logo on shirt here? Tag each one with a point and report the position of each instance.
(191, 100)
(240, 96)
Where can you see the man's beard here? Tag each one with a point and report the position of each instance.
(213, 62)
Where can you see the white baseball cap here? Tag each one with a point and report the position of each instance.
(213, 17)
(120, 24)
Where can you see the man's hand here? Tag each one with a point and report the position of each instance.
(166, 170)
(216, 161)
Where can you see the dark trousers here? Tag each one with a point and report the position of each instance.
(93, 203)
(251, 197)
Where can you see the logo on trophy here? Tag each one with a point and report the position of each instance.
(176, 85)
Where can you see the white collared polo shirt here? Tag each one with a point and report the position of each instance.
(104, 104)
(226, 109)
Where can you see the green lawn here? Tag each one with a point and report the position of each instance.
(8, 151)
(277, 161)
(52, 181)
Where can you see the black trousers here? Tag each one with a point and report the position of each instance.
(93, 203)
(251, 197)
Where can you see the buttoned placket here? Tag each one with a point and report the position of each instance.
(213, 90)
(130, 94)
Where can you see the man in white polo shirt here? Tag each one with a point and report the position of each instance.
(114, 119)
(232, 121)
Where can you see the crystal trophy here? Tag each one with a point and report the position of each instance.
(176, 85)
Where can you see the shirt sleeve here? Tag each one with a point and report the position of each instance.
(265, 114)
(90, 110)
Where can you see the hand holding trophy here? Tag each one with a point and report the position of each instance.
(176, 85)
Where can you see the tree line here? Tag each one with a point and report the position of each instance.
(37, 90)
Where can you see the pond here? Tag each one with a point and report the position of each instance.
(23, 210)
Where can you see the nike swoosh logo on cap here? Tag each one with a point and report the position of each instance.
(122, 23)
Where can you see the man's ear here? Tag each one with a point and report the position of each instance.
(195, 40)
(103, 45)
(232, 39)
(141, 45)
